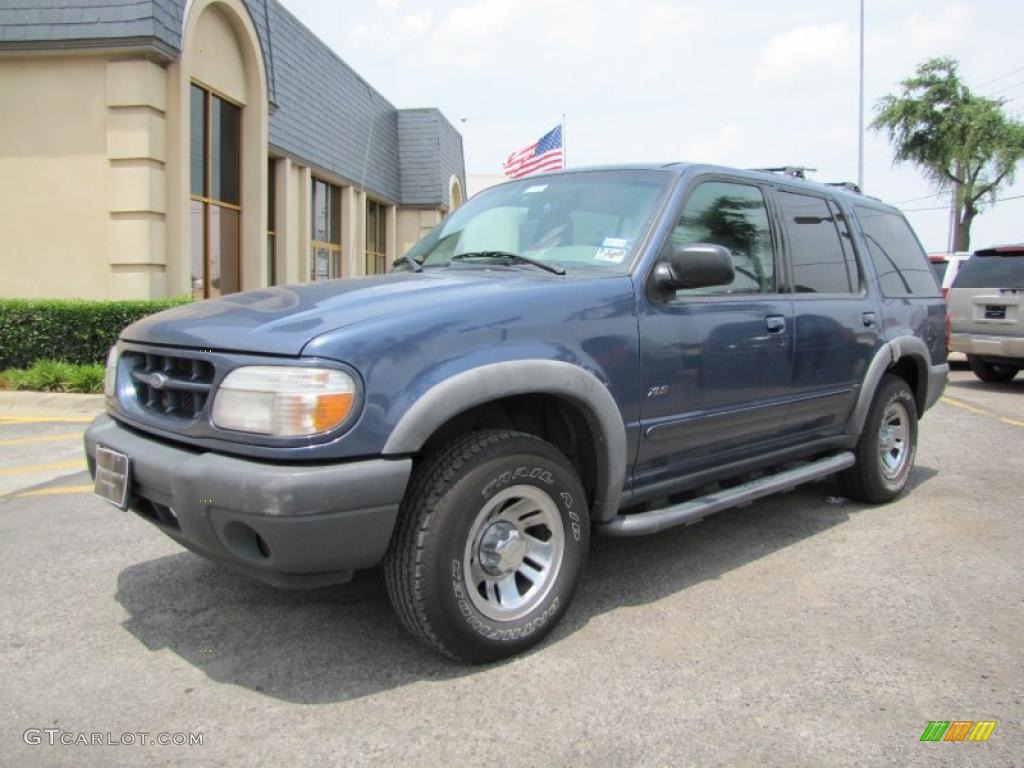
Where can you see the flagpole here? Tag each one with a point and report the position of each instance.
(565, 154)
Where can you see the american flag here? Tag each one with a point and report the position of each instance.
(545, 154)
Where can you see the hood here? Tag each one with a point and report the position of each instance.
(280, 321)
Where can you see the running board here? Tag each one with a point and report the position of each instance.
(692, 511)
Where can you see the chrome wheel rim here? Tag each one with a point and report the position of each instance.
(894, 440)
(513, 553)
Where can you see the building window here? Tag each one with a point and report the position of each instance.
(215, 193)
(325, 249)
(271, 224)
(376, 238)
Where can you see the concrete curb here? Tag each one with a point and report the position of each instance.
(49, 404)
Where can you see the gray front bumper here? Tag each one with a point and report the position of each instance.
(286, 524)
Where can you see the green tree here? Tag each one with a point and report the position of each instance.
(964, 143)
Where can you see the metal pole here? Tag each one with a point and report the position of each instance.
(565, 152)
(860, 131)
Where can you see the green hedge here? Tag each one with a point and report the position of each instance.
(72, 330)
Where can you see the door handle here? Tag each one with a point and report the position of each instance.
(869, 319)
(775, 323)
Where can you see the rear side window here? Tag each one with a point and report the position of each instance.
(820, 263)
(899, 260)
(939, 270)
(991, 272)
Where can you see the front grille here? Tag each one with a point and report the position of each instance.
(171, 385)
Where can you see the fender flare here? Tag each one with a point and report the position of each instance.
(483, 384)
(886, 356)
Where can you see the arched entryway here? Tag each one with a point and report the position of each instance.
(455, 196)
(221, 182)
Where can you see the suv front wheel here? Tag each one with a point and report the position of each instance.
(887, 446)
(491, 540)
(994, 373)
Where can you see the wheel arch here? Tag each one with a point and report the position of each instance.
(501, 383)
(904, 356)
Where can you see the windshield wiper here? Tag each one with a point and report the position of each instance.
(508, 256)
(416, 266)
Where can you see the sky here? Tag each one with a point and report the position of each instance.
(741, 83)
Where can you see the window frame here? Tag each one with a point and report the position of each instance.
(271, 221)
(780, 264)
(833, 205)
(380, 257)
(334, 249)
(206, 199)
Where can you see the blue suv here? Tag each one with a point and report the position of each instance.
(608, 350)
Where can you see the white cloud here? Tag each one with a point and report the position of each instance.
(720, 147)
(806, 50)
(739, 82)
(930, 32)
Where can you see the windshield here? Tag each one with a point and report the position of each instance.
(587, 222)
(991, 272)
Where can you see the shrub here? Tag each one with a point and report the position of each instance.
(72, 330)
(85, 378)
(54, 376)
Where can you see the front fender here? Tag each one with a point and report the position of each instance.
(494, 381)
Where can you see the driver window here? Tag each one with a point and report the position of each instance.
(734, 216)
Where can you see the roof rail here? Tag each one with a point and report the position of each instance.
(795, 171)
(849, 186)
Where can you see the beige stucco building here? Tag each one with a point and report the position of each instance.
(160, 148)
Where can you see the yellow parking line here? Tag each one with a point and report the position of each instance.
(59, 490)
(43, 439)
(982, 412)
(44, 419)
(29, 469)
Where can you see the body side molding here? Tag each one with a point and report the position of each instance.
(480, 385)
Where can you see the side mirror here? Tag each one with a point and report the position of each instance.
(700, 265)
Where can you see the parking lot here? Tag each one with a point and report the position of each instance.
(802, 630)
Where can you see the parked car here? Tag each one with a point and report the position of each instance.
(986, 312)
(617, 350)
(946, 266)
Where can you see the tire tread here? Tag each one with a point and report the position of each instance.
(404, 562)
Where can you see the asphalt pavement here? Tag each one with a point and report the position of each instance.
(801, 630)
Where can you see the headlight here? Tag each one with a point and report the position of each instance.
(283, 401)
(110, 374)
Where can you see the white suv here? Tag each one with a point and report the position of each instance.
(986, 312)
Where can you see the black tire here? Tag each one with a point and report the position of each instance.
(469, 487)
(881, 472)
(993, 373)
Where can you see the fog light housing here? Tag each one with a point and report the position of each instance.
(284, 401)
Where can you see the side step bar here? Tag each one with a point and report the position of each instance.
(692, 511)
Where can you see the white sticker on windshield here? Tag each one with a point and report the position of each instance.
(615, 242)
(613, 255)
(535, 188)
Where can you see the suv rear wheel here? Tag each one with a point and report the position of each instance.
(887, 446)
(994, 373)
(491, 540)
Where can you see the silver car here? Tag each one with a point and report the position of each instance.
(986, 312)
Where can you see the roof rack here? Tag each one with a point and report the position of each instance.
(849, 186)
(795, 171)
